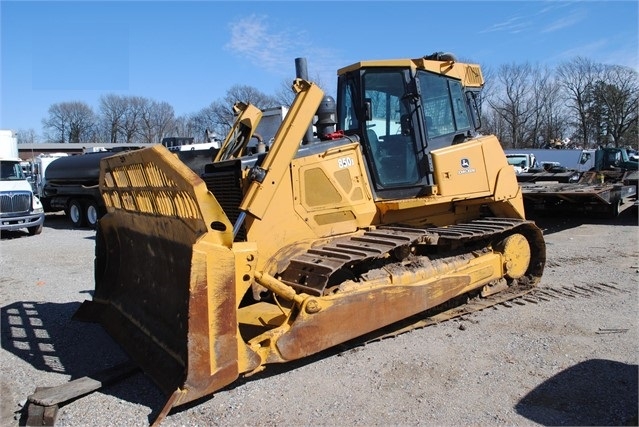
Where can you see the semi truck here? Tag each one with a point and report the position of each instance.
(70, 184)
(20, 208)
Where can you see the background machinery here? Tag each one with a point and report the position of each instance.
(395, 207)
(20, 208)
(603, 180)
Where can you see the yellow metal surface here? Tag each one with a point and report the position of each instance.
(169, 274)
(401, 291)
(152, 181)
(468, 176)
(262, 314)
(331, 191)
(247, 118)
(469, 74)
(321, 196)
(287, 140)
(516, 254)
(462, 170)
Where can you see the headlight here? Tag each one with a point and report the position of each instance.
(37, 205)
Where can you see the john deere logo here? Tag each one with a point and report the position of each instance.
(465, 164)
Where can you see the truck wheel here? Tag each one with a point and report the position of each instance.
(91, 213)
(35, 230)
(615, 209)
(76, 213)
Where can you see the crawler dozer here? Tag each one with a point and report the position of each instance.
(396, 205)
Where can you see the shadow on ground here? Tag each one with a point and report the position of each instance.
(45, 336)
(554, 223)
(59, 221)
(592, 393)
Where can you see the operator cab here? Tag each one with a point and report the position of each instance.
(402, 110)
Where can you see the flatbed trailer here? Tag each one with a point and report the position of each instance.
(583, 197)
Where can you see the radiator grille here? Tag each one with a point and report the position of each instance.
(15, 202)
(226, 186)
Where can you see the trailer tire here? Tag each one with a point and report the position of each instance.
(76, 213)
(615, 209)
(91, 213)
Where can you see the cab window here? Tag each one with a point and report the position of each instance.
(444, 105)
(391, 146)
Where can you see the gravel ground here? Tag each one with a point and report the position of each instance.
(569, 359)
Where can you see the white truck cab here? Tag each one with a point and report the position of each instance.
(19, 207)
(522, 162)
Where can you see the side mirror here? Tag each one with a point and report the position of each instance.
(368, 109)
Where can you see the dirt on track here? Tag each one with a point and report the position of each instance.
(566, 356)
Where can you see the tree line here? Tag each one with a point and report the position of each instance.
(580, 103)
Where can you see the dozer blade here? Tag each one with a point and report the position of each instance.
(164, 274)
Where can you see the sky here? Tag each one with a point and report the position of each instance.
(190, 53)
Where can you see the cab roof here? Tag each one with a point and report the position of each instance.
(469, 74)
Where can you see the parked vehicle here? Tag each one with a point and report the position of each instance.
(606, 179)
(70, 184)
(522, 162)
(19, 206)
(189, 144)
(39, 174)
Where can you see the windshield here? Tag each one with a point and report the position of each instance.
(10, 171)
(517, 160)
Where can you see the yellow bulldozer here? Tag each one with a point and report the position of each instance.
(395, 206)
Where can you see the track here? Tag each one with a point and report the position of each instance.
(315, 270)
(509, 298)
(349, 258)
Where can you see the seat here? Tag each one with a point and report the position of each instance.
(373, 140)
(394, 159)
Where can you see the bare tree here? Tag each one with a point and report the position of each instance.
(514, 102)
(493, 123)
(27, 136)
(182, 126)
(576, 78)
(617, 97)
(217, 117)
(285, 95)
(538, 101)
(112, 109)
(249, 94)
(130, 125)
(56, 125)
(70, 122)
(156, 120)
(554, 120)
